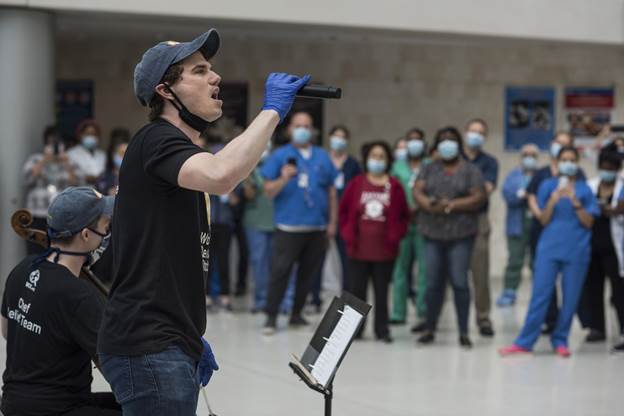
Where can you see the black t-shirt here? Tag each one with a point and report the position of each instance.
(160, 250)
(53, 319)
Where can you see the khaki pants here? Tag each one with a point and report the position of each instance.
(480, 270)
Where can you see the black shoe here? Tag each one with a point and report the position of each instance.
(386, 339)
(419, 327)
(270, 325)
(465, 342)
(548, 329)
(619, 347)
(298, 320)
(397, 322)
(595, 336)
(426, 338)
(485, 328)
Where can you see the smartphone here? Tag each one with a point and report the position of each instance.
(617, 128)
(56, 148)
(292, 161)
(563, 182)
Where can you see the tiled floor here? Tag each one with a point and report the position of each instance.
(405, 380)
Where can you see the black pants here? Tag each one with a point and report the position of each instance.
(553, 308)
(220, 241)
(243, 256)
(380, 272)
(592, 308)
(98, 404)
(307, 249)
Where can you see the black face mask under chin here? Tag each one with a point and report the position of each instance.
(194, 121)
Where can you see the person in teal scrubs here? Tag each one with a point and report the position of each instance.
(412, 246)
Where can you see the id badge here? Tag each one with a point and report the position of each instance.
(303, 180)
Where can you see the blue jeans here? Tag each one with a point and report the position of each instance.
(165, 383)
(259, 243)
(452, 259)
(544, 282)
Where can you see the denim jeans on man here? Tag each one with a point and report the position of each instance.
(160, 384)
(448, 258)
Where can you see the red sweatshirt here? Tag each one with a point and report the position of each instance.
(373, 219)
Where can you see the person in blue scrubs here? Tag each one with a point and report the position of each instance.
(568, 208)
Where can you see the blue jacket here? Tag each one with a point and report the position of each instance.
(516, 207)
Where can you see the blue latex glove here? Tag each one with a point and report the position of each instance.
(280, 90)
(207, 364)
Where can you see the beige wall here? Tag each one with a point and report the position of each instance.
(571, 20)
(388, 86)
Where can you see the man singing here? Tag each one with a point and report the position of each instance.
(150, 344)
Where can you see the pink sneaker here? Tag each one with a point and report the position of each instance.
(563, 351)
(512, 349)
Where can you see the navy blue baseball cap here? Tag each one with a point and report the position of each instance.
(76, 208)
(149, 72)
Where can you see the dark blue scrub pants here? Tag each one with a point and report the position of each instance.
(545, 277)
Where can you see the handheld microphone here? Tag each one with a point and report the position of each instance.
(320, 91)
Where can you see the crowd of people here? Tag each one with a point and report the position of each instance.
(413, 203)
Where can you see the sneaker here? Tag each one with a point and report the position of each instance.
(270, 326)
(298, 320)
(512, 349)
(426, 338)
(563, 351)
(595, 336)
(619, 347)
(465, 342)
(506, 299)
(419, 327)
(485, 328)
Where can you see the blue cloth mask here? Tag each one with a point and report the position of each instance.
(607, 175)
(400, 154)
(567, 168)
(117, 159)
(415, 148)
(474, 140)
(337, 143)
(89, 142)
(376, 166)
(555, 148)
(301, 135)
(448, 149)
(529, 163)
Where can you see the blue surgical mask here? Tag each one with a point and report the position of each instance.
(607, 175)
(415, 148)
(376, 166)
(400, 154)
(448, 149)
(529, 163)
(555, 148)
(567, 168)
(337, 143)
(117, 159)
(301, 135)
(474, 140)
(89, 142)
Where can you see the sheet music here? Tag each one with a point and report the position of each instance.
(336, 345)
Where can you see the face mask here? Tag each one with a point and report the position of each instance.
(607, 175)
(89, 142)
(474, 140)
(400, 154)
(448, 149)
(529, 162)
(415, 148)
(376, 166)
(117, 161)
(567, 168)
(194, 121)
(337, 143)
(96, 254)
(555, 148)
(301, 135)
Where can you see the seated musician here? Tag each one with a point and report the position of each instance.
(50, 316)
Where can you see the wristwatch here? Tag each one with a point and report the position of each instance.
(448, 209)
